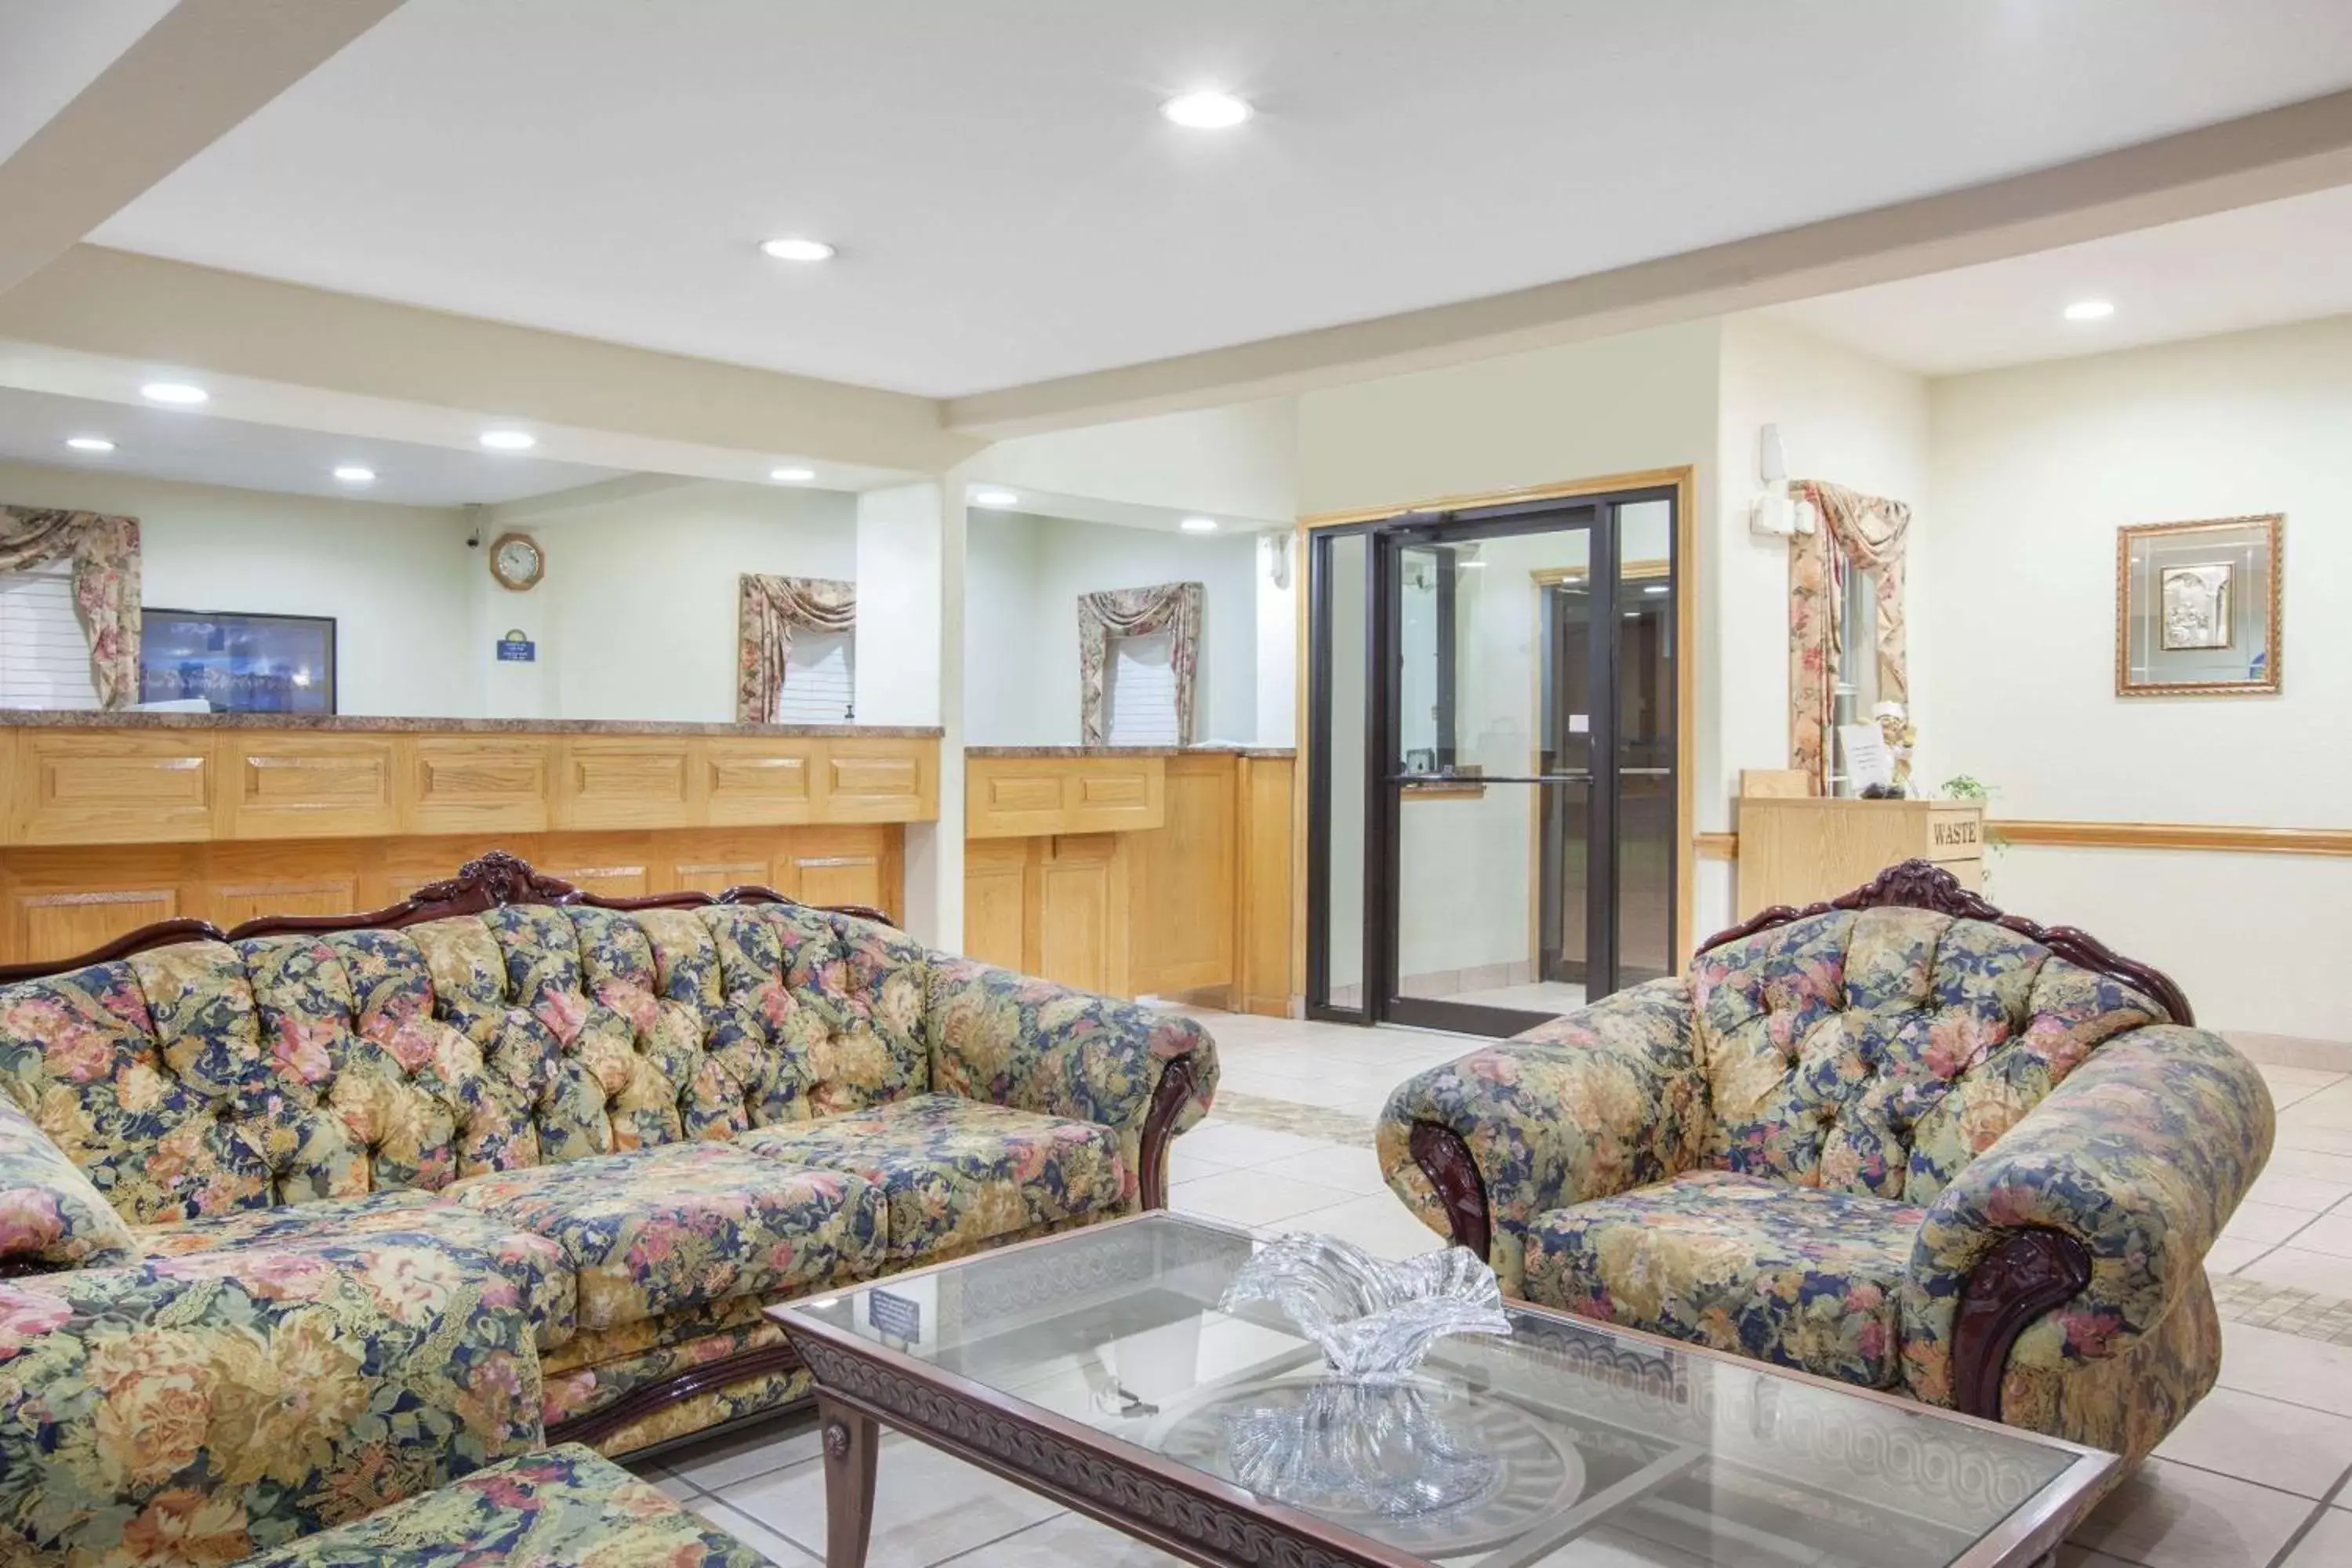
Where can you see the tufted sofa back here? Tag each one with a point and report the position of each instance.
(210, 1076)
(1879, 1050)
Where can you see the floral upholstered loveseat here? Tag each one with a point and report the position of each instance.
(502, 1164)
(1900, 1139)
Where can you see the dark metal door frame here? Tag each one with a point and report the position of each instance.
(1384, 543)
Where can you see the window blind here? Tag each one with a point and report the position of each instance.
(1140, 696)
(820, 682)
(44, 657)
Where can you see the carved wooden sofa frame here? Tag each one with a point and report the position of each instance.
(2033, 1272)
(498, 878)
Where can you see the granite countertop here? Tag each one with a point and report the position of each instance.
(100, 719)
(1209, 749)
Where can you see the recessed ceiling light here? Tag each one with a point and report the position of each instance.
(2090, 310)
(89, 443)
(791, 476)
(509, 440)
(798, 249)
(355, 474)
(1199, 525)
(1657, 588)
(994, 499)
(1206, 110)
(178, 392)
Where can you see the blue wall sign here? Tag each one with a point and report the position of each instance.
(516, 648)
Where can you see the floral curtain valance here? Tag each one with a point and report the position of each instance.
(1856, 530)
(105, 555)
(1133, 613)
(767, 610)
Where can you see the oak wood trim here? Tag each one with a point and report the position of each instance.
(2176, 835)
(2033, 1272)
(2220, 837)
(1923, 884)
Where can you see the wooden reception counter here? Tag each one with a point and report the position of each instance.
(115, 820)
(1133, 870)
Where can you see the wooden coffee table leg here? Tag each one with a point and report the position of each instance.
(850, 1440)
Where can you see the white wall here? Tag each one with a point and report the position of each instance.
(1234, 462)
(396, 579)
(1844, 418)
(1641, 401)
(1021, 647)
(2034, 468)
(636, 615)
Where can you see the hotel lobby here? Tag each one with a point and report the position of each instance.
(1411, 788)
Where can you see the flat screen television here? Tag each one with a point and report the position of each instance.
(237, 662)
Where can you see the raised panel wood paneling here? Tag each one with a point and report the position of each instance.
(636, 782)
(1800, 852)
(102, 787)
(234, 902)
(90, 895)
(1083, 920)
(717, 876)
(1007, 798)
(838, 880)
(1184, 880)
(757, 781)
(478, 784)
(880, 781)
(1264, 981)
(996, 904)
(306, 786)
(59, 925)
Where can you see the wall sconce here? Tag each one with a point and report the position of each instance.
(1275, 549)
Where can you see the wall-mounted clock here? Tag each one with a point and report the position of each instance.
(516, 561)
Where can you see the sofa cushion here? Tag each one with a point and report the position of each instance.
(840, 999)
(50, 1215)
(565, 1507)
(1794, 1275)
(958, 1173)
(535, 1268)
(1878, 1051)
(687, 1224)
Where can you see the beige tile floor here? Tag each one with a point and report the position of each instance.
(2260, 1476)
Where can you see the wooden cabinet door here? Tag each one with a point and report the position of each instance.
(117, 788)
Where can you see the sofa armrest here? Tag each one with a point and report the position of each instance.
(207, 1406)
(51, 1216)
(2073, 1236)
(1603, 1099)
(1014, 1040)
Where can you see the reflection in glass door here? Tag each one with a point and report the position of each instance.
(1493, 791)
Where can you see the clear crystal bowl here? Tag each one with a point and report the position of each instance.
(1374, 1319)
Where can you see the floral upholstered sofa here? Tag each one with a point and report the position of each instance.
(1900, 1139)
(503, 1162)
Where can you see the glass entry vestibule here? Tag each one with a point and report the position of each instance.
(1493, 786)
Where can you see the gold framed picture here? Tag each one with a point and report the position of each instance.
(2196, 607)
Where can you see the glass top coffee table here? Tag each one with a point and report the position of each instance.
(1096, 1368)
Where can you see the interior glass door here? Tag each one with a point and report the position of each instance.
(1493, 783)
(1489, 796)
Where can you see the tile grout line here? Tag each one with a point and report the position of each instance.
(2287, 1549)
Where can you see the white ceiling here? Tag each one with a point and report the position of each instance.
(2254, 266)
(201, 449)
(51, 50)
(1010, 207)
